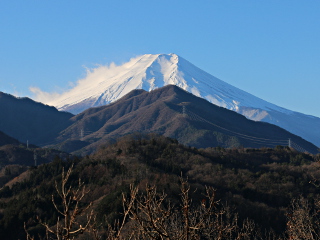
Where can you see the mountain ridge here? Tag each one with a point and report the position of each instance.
(170, 111)
(27, 120)
(161, 111)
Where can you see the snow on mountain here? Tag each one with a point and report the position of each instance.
(104, 85)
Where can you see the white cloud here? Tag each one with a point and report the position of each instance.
(42, 96)
(99, 76)
(92, 75)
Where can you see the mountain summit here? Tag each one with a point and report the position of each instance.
(148, 72)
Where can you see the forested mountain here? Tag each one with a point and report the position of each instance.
(16, 157)
(168, 111)
(175, 113)
(258, 184)
(27, 120)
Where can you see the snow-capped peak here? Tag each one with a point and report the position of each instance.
(106, 84)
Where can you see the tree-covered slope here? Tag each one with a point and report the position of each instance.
(27, 120)
(175, 113)
(258, 183)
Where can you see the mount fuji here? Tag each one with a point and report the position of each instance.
(108, 84)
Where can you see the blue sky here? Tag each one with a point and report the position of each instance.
(268, 48)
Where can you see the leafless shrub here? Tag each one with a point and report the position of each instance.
(152, 217)
(303, 222)
(71, 222)
(148, 216)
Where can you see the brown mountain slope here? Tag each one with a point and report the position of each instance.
(175, 113)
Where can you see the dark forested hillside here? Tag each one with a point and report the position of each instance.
(25, 119)
(258, 184)
(15, 157)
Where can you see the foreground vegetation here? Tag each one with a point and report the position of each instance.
(230, 194)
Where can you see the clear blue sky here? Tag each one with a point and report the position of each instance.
(268, 48)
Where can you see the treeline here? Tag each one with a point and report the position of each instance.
(257, 186)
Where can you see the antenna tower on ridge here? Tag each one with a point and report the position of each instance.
(184, 108)
(81, 133)
(184, 111)
(35, 158)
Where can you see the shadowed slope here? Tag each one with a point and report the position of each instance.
(25, 119)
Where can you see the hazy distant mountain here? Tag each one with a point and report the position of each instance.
(149, 72)
(27, 120)
(175, 113)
